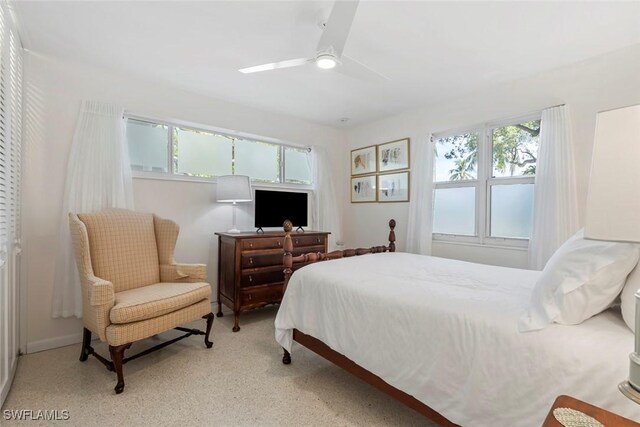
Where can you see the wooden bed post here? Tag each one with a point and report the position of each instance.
(392, 235)
(288, 264)
(288, 256)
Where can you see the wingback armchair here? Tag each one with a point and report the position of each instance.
(132, 288)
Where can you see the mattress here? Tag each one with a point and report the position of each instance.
(445, 332)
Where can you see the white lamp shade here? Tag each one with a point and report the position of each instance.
(613, 202)
(234, 188)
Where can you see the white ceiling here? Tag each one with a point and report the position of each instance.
(428, 50)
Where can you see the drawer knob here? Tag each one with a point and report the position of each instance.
(250, 245)
(296, 241)
(249, 297)
(318, 240)
(251, 260)
(278, 242)
(250, 278)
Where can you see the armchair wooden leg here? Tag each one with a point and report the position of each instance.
(209, 318)
(117, 354)
(86, 345)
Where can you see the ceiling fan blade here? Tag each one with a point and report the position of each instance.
(275, 65)
(358, 70)
(338, 26)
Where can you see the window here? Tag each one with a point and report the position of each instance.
(259, 160)
(165, 148)
(484, 179)
(297, 169)
(151, 150)
(199, 153)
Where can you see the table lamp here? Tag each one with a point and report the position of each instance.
(234, 189)
(613, 202)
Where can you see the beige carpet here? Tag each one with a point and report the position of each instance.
(240, 381)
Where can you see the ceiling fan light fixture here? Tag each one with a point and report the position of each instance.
(326, 61)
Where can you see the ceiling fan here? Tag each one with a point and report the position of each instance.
(329, 50)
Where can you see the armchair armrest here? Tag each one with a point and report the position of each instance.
(100, 299)
(100, 292)
(189, 273)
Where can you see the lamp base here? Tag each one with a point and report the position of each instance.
(631, 393)
(234, 230)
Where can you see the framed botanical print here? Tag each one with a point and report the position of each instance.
(363, 160)
(393, 155)
(393, 187)
(363, 189)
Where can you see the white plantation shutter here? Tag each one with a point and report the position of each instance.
(4, 141)
(10, 170)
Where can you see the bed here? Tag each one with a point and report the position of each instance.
(441, 336)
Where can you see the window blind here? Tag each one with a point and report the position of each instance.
(10, 176)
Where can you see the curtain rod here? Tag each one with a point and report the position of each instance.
(471, 127)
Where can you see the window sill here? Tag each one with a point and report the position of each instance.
(168, 177)
(522, 248)
(195, 179)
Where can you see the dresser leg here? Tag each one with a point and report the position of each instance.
(236, 323)
(219, 313)
(286, 357)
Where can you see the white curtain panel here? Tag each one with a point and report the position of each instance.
(420, 223)
(325, 215)
(98, 177)
(555, 205)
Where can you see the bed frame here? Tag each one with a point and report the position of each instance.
(333, 356)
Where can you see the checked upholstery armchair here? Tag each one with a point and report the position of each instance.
(132, 288)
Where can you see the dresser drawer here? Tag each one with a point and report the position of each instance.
(261, 296)
(254, 278)
(265, 259)
(307, 240)
(262, 243)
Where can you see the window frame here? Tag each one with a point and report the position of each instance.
(483, 184)
(171, 174)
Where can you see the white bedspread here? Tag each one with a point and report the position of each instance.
(445, 331)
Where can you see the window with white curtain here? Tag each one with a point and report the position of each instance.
(169, 149)
(484, 177)
(10, 171)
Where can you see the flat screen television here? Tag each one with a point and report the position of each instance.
(272, 208)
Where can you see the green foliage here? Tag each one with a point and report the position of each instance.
(514, 148)
(465, 155)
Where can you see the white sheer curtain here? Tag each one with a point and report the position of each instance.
(324, 202)
(420, 224)
(98, 177)
(555, 206)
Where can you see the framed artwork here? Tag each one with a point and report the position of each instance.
(363, 189)
(363, 160)
(393, 155)
(393, 187)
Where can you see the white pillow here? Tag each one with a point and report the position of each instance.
(628, 298)
(582, 278)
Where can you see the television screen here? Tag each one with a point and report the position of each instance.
(274, 207)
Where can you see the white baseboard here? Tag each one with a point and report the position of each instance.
(49, 343)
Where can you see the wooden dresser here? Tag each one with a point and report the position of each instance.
(250, 268)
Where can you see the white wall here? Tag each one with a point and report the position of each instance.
(54, 89)
(601, 83)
